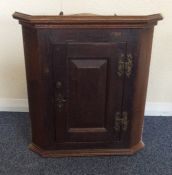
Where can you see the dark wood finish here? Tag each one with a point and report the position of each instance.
(87, 152)
(87, 79)
(134, 21)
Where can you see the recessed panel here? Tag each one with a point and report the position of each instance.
(87, 81)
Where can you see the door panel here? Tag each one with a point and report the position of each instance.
(89, 92)
(87, 103)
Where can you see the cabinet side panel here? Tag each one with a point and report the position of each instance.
(140, 85)
(34, 85)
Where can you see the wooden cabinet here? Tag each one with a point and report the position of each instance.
(87, 79)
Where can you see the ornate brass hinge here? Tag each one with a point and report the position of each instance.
(125, 67)
(121, 121)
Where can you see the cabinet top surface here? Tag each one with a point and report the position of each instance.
(87, 19)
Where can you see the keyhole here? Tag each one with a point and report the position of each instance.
(58, 84)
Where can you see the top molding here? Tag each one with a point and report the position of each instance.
(88, 19)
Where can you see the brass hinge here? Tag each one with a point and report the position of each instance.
(121, 121)
(125, 67)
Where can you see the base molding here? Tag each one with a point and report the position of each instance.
(86, 152)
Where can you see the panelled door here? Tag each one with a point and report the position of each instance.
(88, 92)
